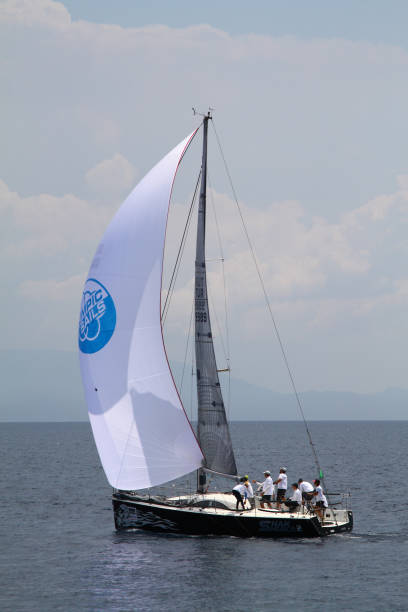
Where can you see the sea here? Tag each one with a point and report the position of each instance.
(60, 552)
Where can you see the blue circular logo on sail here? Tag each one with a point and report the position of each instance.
(97, 319)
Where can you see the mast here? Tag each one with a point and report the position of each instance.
(212, 430)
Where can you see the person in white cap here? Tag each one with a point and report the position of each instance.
(267, 489)
(282, 484)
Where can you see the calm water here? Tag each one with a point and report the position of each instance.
(59, 550)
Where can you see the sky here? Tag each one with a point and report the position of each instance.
(310, 104)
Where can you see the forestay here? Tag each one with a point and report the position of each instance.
(140, 428)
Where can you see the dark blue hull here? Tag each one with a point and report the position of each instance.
(152, 516)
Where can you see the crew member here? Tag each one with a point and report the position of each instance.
(282, 484)
(267, 489)
(249, 492)
(320, 499)
(306, 489)
(296, 500)
(238, 492)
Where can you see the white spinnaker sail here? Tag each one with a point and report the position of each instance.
(140, 428)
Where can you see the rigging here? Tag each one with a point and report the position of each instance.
(268, 304)
(179, 254)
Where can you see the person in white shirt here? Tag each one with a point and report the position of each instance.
(238, 492)
(267, 489)
(282, 484)
(296, 500)
(320, 499)
(249, 491)
(306, 489)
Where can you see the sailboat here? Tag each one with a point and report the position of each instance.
(143, 435)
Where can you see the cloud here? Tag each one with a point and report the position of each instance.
(403, 181)
(49, 241)
(44, 226)
(298, 115)
(51, 290)
(303, 260)
(35, 13)
(111, 178)
(313, 158)
(47, 244)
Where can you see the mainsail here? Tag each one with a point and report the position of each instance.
(213, 431)
(141, 431)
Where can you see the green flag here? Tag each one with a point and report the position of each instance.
(320, 474)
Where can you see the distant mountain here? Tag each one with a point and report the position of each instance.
(46, 386)
(264, 404)
(40, 386)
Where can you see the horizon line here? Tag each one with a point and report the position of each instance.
(230, 421)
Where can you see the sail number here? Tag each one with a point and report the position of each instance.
(200, 303)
